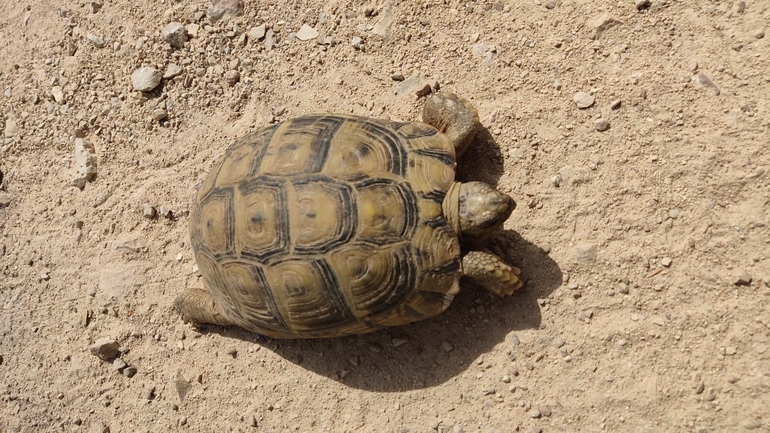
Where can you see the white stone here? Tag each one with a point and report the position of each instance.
(58, 94)
(145, 79)
(172, 70)
(175, 34)
(257, 32)
(11, 128)
(583, 100)
(306, 33)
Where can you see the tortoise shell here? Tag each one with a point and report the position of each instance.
(329, 225)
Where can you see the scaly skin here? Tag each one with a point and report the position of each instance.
(491, 272)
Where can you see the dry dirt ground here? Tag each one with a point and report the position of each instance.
(645, 246)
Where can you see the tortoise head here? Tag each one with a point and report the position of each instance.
(475, 209)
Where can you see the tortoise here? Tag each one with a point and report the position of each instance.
(330, 225)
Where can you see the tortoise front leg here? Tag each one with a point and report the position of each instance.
(197, 306)
(492, 272)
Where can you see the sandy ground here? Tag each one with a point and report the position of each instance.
(645, 246)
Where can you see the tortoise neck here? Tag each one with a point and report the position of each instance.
(451, 208)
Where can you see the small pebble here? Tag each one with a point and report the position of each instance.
(96, 41)
(699, 387)
(506, 379)
(105, 348)
(165, 212)
(601, 124)
(666, 261)
(357, 42)
(534, 413)
(172, 70)
(306, 33)
(232, 352)
(118, 364)
(741, 278)
(145, 79)
(175, 34)
(257, 32)
(159, 115)
(586, 253)
(148, 211)
(232, 77)
(515, 340)
(224, 8)
(583, 100)
(642, 4)
(759, 33)
(546, 411)
(447, 346)
(58, 96)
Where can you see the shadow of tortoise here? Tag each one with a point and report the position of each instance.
(429, 352)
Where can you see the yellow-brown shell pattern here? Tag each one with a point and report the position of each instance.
(329, 225)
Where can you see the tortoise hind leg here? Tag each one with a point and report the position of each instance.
(197, 306)
(492, 272)
(454, 116)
